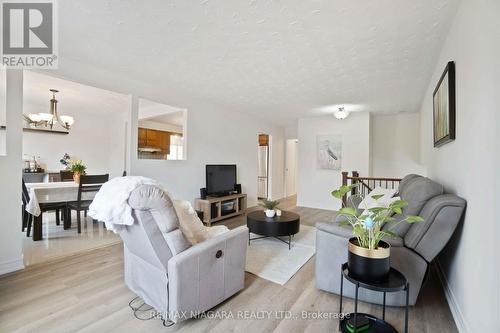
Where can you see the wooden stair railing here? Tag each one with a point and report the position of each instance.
(366, 184)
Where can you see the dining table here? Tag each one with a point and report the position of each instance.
(54, 192)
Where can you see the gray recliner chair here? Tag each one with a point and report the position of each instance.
(411, 253)
(167, 272)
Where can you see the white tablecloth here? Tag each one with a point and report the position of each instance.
(51, 193)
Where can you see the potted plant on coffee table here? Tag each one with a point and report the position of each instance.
(368, 254)
(78, 169)
(270, 207)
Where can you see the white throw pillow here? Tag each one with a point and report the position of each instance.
(176, 241)
(368, 202)
(383, 203)
(191, 226)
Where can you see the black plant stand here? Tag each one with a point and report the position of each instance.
(395, 282)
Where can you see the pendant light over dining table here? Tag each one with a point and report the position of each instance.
(50, 119)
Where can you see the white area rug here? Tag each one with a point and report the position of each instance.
(270, 258)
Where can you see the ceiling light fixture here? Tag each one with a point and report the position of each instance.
(50, 119)
(341, 113)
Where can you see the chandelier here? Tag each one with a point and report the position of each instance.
(49, 120)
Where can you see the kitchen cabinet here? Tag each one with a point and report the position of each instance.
(142, 138)
(164, 141)
(150, 138)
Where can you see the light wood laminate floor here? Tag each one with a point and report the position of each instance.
(58, 243)
(86, 293)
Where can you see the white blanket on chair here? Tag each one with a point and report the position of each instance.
(110, 203)
(110, 206)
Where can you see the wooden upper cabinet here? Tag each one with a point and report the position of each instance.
(164, 142)
(142, 139)
(150, 138)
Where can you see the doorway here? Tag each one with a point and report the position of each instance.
(291, 163)
(94, 135)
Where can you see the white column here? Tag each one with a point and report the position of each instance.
(133, 137)
(11, 257)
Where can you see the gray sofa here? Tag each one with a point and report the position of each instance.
(167, 272)
(417, 245)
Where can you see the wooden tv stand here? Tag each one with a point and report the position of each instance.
(212, 207)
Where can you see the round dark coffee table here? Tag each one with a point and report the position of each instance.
(287, 224)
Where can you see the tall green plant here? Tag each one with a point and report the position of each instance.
(367, 225)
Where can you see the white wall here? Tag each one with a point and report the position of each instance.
(315, 185)
(291, 166)
(469, 166)
(3, 112)
(97, 138)
(119, 144)
(217, 137)
(291, 131)
(3, 143)
(395, 142)
(11, 258)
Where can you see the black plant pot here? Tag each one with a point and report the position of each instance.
(368, 265)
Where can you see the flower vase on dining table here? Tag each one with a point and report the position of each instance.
(78, 169)
(76, 177)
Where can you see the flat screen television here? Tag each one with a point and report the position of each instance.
(221, 179)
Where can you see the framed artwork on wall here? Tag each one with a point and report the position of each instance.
(444, 107)
(329, 152)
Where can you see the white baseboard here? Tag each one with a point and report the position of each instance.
(11, 266)
(456, 312)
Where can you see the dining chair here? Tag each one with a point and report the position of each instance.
(25, 199)
(28, 219)
(88, 183)
(66, 176)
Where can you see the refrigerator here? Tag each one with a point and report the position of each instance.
(262, 175)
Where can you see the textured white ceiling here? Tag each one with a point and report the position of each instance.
(277, 59)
